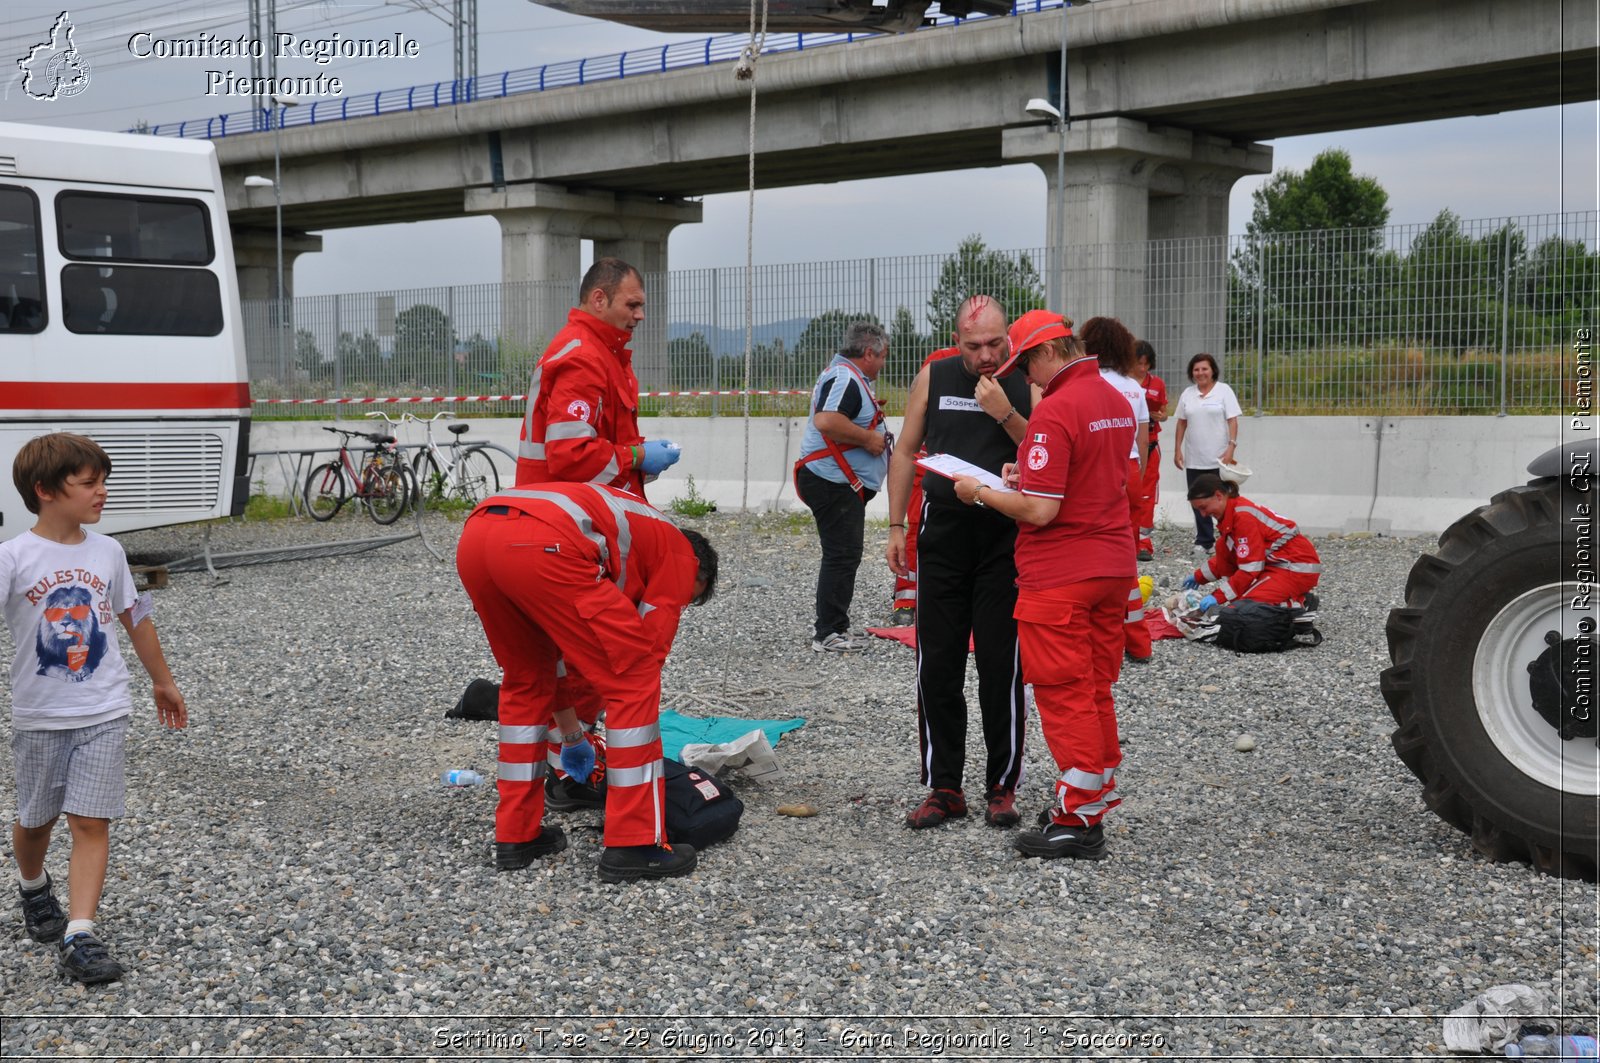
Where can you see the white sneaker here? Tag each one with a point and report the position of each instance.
(838, 642)
(1200, 551)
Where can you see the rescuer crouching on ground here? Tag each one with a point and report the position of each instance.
(592, 575)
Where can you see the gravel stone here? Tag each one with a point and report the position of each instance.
(293, 880)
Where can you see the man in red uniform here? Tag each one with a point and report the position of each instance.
(594, 576)
(1155, 397)
(582, 424)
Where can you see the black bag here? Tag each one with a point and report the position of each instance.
(701, 811)
(480, 701)
(1254, 627)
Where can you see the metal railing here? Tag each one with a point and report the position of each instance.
(1450, 317)
(636, 62)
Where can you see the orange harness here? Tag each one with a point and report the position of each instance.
(830, 449)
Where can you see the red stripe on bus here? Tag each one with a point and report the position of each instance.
(76, 395)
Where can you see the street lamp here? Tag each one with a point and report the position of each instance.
(1061, 116)
(275, 182)
(1042, 108)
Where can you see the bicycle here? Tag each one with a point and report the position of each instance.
(466, 473)
(384, 483)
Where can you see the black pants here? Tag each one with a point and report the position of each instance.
(841, 517)
(1204, 534)
(966, 585)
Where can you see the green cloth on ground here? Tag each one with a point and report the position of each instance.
(678, 730)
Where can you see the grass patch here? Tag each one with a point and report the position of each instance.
(692, 504)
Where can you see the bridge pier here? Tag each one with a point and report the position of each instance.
(1145, 230)
(255, 264)
(541, 230)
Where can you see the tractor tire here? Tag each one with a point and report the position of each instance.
(1492, 681)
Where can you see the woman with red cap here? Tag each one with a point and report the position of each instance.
(1073, 567)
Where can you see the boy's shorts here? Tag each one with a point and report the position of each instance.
(81, 771)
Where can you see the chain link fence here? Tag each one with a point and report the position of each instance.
(1450, 317)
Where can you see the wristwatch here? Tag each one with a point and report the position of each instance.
(977, 499)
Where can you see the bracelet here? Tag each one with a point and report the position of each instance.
(897, 525)
(572, 739)
(1002, 421)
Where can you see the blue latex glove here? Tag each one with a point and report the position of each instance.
(659, 455)
(1207, 603)
(578, 760)
(1189, 582)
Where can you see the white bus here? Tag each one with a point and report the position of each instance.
(119, 319)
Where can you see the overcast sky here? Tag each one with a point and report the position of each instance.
(1522, 162)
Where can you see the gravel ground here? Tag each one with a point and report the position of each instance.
(292, 880)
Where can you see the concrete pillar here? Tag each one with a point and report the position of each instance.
(1145, 226)
(541, 227)
(269, 339)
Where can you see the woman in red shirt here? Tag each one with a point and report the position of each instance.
(1073, 568)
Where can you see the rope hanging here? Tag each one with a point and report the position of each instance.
(746, 71)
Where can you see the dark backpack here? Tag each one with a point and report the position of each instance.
(1254, 627)
(701, 811)
(480, 701)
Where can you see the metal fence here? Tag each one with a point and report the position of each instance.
(1449, 317)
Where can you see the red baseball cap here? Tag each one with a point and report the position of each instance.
(1030, 330)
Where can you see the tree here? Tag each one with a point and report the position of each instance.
(907, 348)
(975, 270)
(359, 359)
(479, 359)
(1312, 256)
(689, 362)
(423, 341)
(1458, 285)
(822, 339)
(307, 358)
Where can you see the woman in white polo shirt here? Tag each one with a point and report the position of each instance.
(1208, 431)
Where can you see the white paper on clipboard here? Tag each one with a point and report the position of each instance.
(949, 466)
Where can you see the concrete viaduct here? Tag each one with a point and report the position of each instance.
(1169, 101)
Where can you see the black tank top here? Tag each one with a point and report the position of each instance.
(958, 425)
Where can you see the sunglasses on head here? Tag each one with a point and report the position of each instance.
(77, 612)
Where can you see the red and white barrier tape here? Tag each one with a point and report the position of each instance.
(507, 398)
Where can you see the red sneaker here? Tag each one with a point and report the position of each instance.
(937, 807)
(1002, 810)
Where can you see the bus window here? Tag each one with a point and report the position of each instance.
(134, 228)
(141, 301)
(21, 300)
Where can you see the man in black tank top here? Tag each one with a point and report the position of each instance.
(966, 577)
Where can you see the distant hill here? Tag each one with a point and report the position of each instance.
(730, 341)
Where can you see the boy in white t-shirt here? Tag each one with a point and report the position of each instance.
(70, 703)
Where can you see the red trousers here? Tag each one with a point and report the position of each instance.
(1144, 505)
(1135, 632)
(533, 585)
(1071, 642)
(1276, 587)
(905, 587)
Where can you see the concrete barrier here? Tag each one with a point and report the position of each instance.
(1390, 475)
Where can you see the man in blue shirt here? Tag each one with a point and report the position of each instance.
(846, 453)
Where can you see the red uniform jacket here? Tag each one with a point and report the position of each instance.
(1155, 397)
(1252, 540)
(582, 421)
(636, 550)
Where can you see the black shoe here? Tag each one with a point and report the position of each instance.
(568, 795)
(1146, 555)
(84, 957)
(42, 914)
(1126, 656)
(510, 856)
(1059, 839)
(627, 863)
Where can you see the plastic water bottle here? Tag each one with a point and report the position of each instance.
(1553, 1046)
(460, 778)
